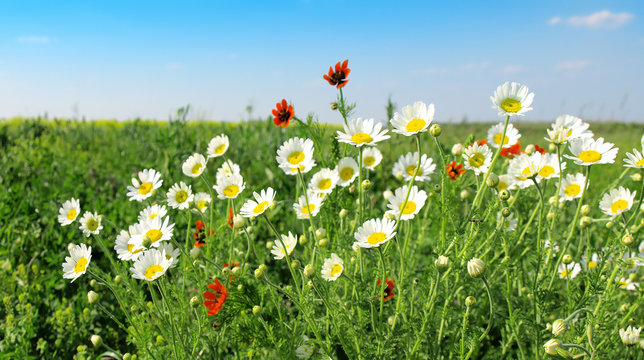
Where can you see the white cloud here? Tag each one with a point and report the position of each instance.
(572, 65)
(33, 39)
(513, 69)
(604, 19)
(554, 20)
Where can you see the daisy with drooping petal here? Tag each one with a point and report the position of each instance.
(505, 182)
(512, 99)
(125, 250)
(180, 196)
(347, 170)
(152, 211)
(525, 168)
(569, 271)
(263, 200)
(151, 265)
(332, 268)
(76, 263)
(507, 224)
(279, 251)
(314, 203)
(228, 168)
(587, 151)
(634, 160)
(217, 146)
(91, 223)
(617, 201)
(283, 113)
(415, 202)
(157, 230)
(495, 136)
(229, 187)
(142, 188)
(406, 165)
(371, 157)
(590, 264)
(68, 212)
(572, 187)
(216, 298)
(194, 165)
(296, 153)
(550, 166)
(374, 233)
(171, 253)
(202, 201)
(477, 158)
(414, 119)
(566, 128)
(324, 181)
(359, 132)
(338, 77)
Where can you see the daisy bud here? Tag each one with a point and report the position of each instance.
(334, 106)
(390, 321)
(92, 297)
(585, 210)
(469, 301)
(117, 279)
(559, 327)
(399, 175)
(309, 271)
(70, 246)
(238, 222)
(390, 216)
(303, 240)
(309, 284)
(321, 232)
(634, 228)
(466, 194)
(628, 239)
(250, 229)
(552, 346)
(435, 130)
(585, 221)
(256, 309)
(550, 215)
(504, 195)
(387, 194)
(295, 264)
(93, 283)
(240, 287)
(352, 223)
(96, 340)
(505, 212)
(442, 263)
(259, 272)
(552, 200)
(310, 229)
(225, 271)
(476, 268)
(366, 184)
(352, 189)
(133, 308)
(492, 180)
(529, 149)
(194, 301)
(353, 259)
(236, 270)
(195, 253)
(630, 335)
(458, 149)
(146, 241)
(552, 148)
(343, 213)
(437, 188)
(567, 259)
(624, 308)
(127, 356)
(323, 242)
(269, 245)
(637, 177)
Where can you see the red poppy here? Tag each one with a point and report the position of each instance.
(455, 170)
(215, 300)
(338, 77)
(200, 225)
(200, 234)
(482, 142)
(509, 152)
(389, 289)
(283, 113)
(230, 218)
(539, 149)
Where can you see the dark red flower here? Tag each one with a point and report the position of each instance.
(230, 218)
(283, 113)
(482, 142)
(389, 289)
(539, 149)
(338, 77)
(215, 300)
(509, 152)
(455, 170)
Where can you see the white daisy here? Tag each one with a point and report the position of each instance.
(263, 200)
(194, 165)
(347, 169)
(550, 166)
(324, 181)
(634, 160)
(171, 253)
(76, 263)
(228, 168)
(157, 229)
(202, 201)
(217, 146)
(592, 263)
(152, 211)
(617, 201)
(495, 134)
(68, 212)
(180, 196)
(507, 224)
(406, 165)
(314, 204)
(142, 188)
(371, 157)
(587, 151)
(505, 182)
(569, 271)
(359, 132)
(124, 249)
(374, 233)
(296, 153)
(280, 251)
(512, 99)
(477, 158)
(229, 187)
(627, 284)
(151, 265)
(524, 168)
(566, 128)
(572, 186)
(91, 223)
(415, 202)
(630, 336)
(332, 268)
(414, 119)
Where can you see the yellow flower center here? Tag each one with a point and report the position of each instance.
(565, 273)
(476, 160)
(92, 224)
(527, 172)
(415, 125)
(130, 247)
(497, 139)
(590, 156)
(346, 174)
(324, 184)
(307, 210)
(640, 162)
(572, 190)
(181, 196)
(260, 207)
(411, 169)
(592, 264)
(360, 138)
(410, 207)
(231, 190)
(296, 157)
(152, 216)
(369, 160)
(80, 266)
(511, 105)
(202, 204)
(196, 168)
(71, 214)
(376, 238)
(622, 284)
(546, 171)
(336, 270)
(152, 270)
(618, 206)
(154, 235)
(220, 149)
(145, 188)
(501, 186)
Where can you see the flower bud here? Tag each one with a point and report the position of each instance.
(343, 213)
(390, 321)
(93, 283)
(366, 184)
(295, 264)
(323, 242)
(92, 297)
(321, 232)
(256, 309)
(637, 177)
(435, 130)
(309, 284)
(334, 106)
(127, 356)
(269, 245)
(567, 259)
(387, 194)
(236, 270)
(476, 268)
(559, 327)
(628, 239)
(505, 212)
(529, 149)
(585, 221)
(353, 260)
(194, 301)
(399, 175)
(466, 194)
(238, 222)
(458, 149)
(552, 346)
(250, 229)
(96, 340)
(352, 189)
(146, 241)
(442, 263)
(309, 271)
(552, 148)
(225, 271)
(195, 253)
(624, 308)
(133, 308)
(437, 188)
(585, 210)
(469, 301)
(492, 180)
(504, 194)
(259, 272)
(117, 279)
(303, 239)
(552, 200)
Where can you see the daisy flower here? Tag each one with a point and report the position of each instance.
(415, 202)
(296, 153)
(569, 271)
(228, 168)
(263, 200)
(347, 170)
(324, 181)
(90, 223)
(550, 166)
(151, 265)
(217, 146)
(228, 187)
(572, 186)
(283, 113)
(524, 168)
(566, 128)
(587, 151)
(194, 165)
(634, 160)
(592, 263)
(280, 251)
(630, 336)
(359, 132)
(202, 200)
(505, 182)
(171, 253)
(216, 298)
(406, 165)
(477, 158)
(68, 212)
(152, 211)
(332, 268)
(374, 233)
(142, 188)
(76, 263)
(125, 250)
(371, 157)
(157, 229)
(626, 283)
(512, 99)
(495, 134)
(302, 211)
(180, 196)
(507, 224)
(617, 201)
(414, 119)
(550, 248)
(338, 77)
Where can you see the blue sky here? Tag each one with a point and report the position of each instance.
(126, 59)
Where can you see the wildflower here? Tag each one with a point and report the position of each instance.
(617, 201)
(389, 289)
(454, 170)
(505, 182)
(476, 268)
(229, 219)
(283, 113)
(339, 76)
(495, 136)
(151, 265)
(441, 263)
(142, 188)
(572, 187)
(406, 165)
(90, 223)
(280, 251)
(458, 149)
(567, 128)
(552, 346)
(76, 263)
(512, 99)
(304, 210)
(324, 181)
(590, 264)
(217, 146)
(359, 132)
(123, 248)
(477, 158)
(200, 234)
(627, 284)
(415, 202)
(558, 327)
(371, 157)
(194, 165)
(508, 223)
(634, 160)
(229, 187)
(374, 233)
(332, 268)
(347, 169)
(152, 211)
(156, 230)
(179, 196)
(171, 253)
(296, 153)
(524, 168)
(68, 212)
(228, 168)
(216, 298)
(512, 151)
(630, 335)
(414, 119)
(569, 271)
(263, 200)
(587, 151)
